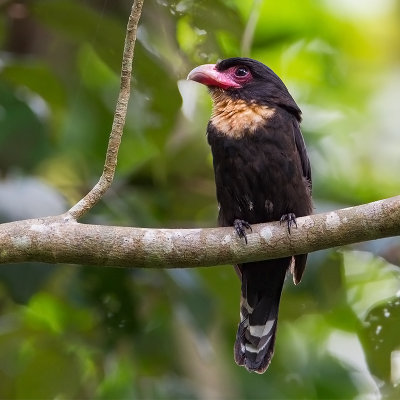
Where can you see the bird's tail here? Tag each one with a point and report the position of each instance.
(262, 284)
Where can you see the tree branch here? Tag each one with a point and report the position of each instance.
(55, 240)
(105, 181)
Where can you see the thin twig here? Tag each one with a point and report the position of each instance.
(248, 34)
(105, 181)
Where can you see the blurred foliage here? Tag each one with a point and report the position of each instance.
(102, 333)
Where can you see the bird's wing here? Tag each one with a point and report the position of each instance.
(297, 268)
(301, 148)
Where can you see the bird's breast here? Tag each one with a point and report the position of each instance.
(236, 118)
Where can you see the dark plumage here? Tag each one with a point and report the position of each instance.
(262, 173)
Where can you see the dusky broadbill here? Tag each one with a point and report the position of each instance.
(262, 173)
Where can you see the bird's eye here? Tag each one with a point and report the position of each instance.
(241, 72)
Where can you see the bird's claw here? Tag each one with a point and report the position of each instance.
(290, 218)
(240, 228)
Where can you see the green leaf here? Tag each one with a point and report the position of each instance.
(78, 22)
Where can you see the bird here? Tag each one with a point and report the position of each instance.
(262, 174)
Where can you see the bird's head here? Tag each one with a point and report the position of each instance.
(247, 80)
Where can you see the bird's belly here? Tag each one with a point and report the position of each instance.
(260, 186)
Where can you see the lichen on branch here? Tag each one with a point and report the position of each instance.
(54, 240)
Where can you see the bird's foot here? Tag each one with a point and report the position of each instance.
(290, 218)
(240, 228)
